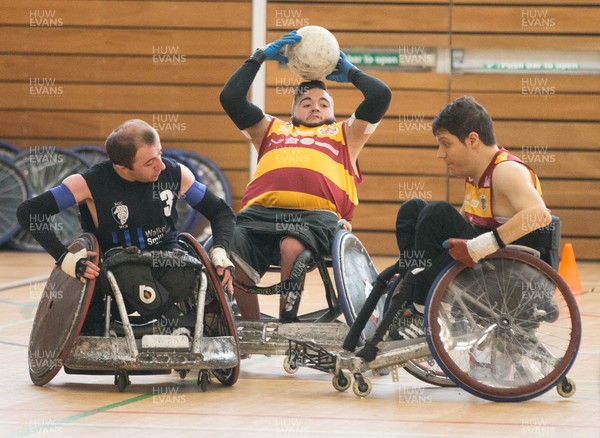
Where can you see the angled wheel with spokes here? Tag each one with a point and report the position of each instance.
(507, 329)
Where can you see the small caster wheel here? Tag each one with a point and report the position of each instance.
(566, 387)
(203, 380)
(362, 386)
(183, 374)
(122, 380)
(341, 381)
(289, 365)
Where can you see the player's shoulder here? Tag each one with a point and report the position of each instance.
(509, 167)
(510, 174)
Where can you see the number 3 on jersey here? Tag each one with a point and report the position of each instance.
(167, 196)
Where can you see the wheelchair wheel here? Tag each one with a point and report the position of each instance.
(214, 178)
(218, 320)
(43, 169)
(354, 274)
(507, 329)
(90, 153)
(8, 150)
(13, 191)
(59, 317)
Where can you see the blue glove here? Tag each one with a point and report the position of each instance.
(342, 69)
(272, 50)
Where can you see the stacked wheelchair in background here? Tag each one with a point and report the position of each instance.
(30, 172)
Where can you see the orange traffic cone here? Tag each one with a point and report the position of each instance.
(567, 269)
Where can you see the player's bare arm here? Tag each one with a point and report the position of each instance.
(516, 197)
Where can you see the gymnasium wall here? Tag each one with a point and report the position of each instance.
(72, 71)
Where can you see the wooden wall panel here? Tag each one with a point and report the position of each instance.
(166, 62)
(110, 97)
(354, 15)
(532, 42)
(554, 107)
(559, 135)
(525, 19)
(92, 126)
(160, 47)
(132, 14)
(522, 83)
(529, 2)
(117, 69)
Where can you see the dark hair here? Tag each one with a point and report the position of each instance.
(303, 87)
(122, 144)
(463, 116)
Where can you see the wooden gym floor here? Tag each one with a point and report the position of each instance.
(266, 401)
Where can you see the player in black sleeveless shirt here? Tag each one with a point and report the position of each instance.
(129, 200)
(134, 213)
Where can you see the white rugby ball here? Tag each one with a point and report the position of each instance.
(315, 55)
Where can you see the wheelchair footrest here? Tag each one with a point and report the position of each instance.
(260, 337)
(311, 355)
(391, 354)
(97, 353)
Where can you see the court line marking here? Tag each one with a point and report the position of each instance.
(14, 344)
(19, 283)
(65, 421)
(12, 303)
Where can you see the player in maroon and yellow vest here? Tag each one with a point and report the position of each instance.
(306, 174)
(502, 204)
(477, 205)
(307, 168)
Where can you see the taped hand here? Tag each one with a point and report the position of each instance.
(219, 259)
(77, 265)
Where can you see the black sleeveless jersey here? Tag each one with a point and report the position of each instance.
(133, 213)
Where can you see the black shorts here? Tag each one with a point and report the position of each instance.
(259, 231)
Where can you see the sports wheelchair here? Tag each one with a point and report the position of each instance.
(507, 329)
(126, 347)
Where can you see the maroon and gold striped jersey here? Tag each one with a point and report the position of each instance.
(307, 168)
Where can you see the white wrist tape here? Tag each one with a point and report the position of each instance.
(482, 245)
(69, 263)
(369, 129)
(218, 257)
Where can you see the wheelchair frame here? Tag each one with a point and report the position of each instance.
(440, 342)
(152, 353)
